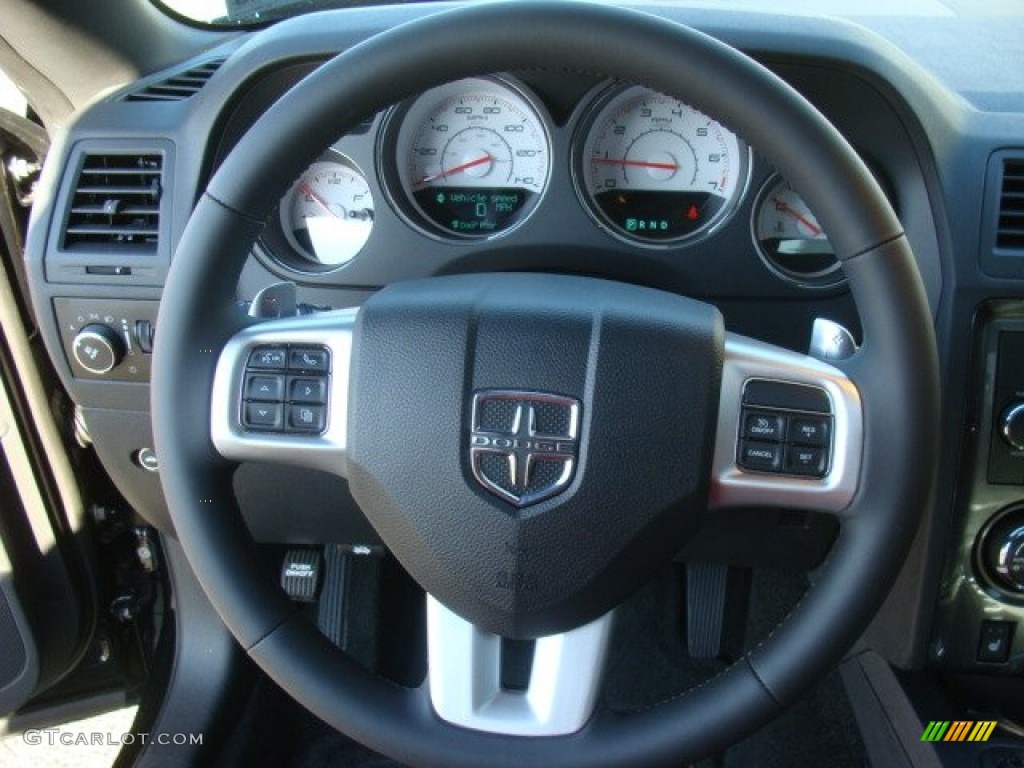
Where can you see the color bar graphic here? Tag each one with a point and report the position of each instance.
(958, 730)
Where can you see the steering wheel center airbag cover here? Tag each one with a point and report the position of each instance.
(634, 377)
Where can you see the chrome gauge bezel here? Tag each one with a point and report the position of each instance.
(596, 103)
(401, 123)
(827, 278)
(279, 246)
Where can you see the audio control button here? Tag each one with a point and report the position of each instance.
(306, 418)
(269, 357)
(307, 389)
(263, 416)
(264, 387)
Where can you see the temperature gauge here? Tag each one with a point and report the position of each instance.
(789, 238)
(327, 215)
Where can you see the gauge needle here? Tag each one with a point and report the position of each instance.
(453, 171)
(307, 190)
(637, 163)
(814, 228)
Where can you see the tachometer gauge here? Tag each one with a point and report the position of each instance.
(472, 158)
(789, 238)
(327, 215)
(656, 171)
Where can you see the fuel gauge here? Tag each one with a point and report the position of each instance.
(789, 238)
(327, 215)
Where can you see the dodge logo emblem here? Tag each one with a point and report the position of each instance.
(523, 445)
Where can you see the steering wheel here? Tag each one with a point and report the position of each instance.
(625, 403)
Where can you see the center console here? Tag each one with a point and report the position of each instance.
(980, 618)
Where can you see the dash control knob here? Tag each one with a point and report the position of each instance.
(1002, 551)
(1011, 426)
(98, 348)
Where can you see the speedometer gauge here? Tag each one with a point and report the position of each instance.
(656, 171)
(472, 158)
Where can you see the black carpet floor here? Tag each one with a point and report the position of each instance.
(649, 662)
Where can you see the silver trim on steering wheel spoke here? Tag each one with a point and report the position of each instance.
(465, 677)
(325, 451)
(749, 360)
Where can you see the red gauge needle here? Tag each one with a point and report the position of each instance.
(453, 171)
(307, 190)
(637, 163)
(814, 228)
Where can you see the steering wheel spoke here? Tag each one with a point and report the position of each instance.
(465, 682)
(280, 392)
(790, 431)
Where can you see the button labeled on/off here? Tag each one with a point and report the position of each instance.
(764, 426)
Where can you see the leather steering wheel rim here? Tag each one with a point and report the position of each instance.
(895, 373)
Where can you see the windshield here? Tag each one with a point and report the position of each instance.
(244, 12)
(250, 12)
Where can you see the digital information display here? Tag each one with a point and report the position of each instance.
(658, 215)
(473, 210)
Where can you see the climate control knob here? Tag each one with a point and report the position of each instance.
(1002, 551)
(98, 348)
(1011, 426)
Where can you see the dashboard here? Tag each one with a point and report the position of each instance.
(566, 172)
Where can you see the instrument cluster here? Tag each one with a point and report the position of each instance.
(473, 160)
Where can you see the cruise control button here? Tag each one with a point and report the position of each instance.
(308, 390)
(262, 387)
(306, 418)
(805, 461)
(764, 426)
(766, 457)
(263, 416)
(306, 359)
(808, 431)
(269, 357)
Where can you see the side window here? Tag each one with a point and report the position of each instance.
(11, 98)
(23, 146)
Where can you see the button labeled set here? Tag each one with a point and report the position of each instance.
(285, 389)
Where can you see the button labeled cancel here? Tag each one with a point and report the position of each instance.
(766, 457)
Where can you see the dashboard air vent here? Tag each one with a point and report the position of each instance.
(116, 203)
(1010, 228)
(180, 86)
